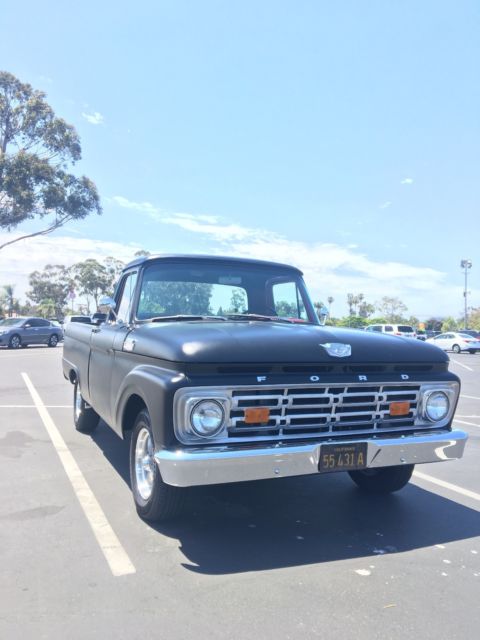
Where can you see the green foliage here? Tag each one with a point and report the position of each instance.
(449, 324)
(52, 284)
(91, 279)
(286, 309)
(8, 303)
(114, 269)
(474, 319)
(392, 308)
(173, 298)
(46, 309)
(354, 322)
(35, 148)
(238, 302)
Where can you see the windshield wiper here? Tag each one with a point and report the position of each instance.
(256, 316)
(182, 317)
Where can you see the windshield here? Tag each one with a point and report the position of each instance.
(11, 322)
(236, 292)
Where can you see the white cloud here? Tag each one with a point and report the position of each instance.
(18, 260)
(93, 118)
(141, 207)
(407, 181)
(385, 205)
(330, 269)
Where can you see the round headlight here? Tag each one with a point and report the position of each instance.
(207, 418)
(437, 406)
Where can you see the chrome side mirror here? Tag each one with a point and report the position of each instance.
(107, 302)
(322, 314)
(107, 305)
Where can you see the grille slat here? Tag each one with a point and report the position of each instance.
(298, 412)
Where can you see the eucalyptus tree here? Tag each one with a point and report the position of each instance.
(53, 285)
(36, 147)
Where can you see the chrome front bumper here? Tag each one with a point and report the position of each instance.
(221, 464)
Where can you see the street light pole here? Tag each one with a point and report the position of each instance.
(465, 264)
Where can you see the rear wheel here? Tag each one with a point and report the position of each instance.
(383, 479)
(53, 341)
(84, 417)
(15, 342)
(154, 499)
(456, 348)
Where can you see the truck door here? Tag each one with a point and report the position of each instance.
(105, 338)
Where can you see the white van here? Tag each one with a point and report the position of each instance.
(404, 330)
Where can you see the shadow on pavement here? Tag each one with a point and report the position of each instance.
(289, 522)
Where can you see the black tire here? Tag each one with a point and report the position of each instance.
(85, 418)
(383, 479)
(456, 348)
(15, 342)
(155, 500)
(53, 340)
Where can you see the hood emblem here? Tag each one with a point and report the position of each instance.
(337, 349)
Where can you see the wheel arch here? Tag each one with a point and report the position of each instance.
(148, 387)
(132, 408)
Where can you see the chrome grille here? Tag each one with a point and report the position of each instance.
(326, 411)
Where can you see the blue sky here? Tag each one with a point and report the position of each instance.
(342, 137)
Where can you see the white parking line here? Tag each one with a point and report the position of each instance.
(460, 364)
(469, 397)
(32, 406)
(116, 556)
(471, 424)
(448, 485)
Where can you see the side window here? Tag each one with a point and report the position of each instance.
(388, 328)
(126, 298)
(288, 301)
(37, 322)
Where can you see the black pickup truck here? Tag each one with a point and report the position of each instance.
(219, 370)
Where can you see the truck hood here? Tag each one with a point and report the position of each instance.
(216, 342)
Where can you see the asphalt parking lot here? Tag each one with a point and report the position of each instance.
(287, 558)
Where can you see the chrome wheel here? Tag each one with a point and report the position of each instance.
(85, 418)
(78, 404)
(144, 464)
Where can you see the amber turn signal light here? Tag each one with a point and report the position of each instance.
(255, 415)
(399, 408)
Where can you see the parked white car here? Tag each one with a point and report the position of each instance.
(456, 342)
(404, 330)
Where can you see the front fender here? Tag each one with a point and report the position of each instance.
(155, 387)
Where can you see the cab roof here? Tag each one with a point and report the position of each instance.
(208, 258)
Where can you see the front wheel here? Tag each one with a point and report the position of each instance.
(456, 348)
(53, 341)
(15, 342)
(154, 499)
(85, 418)
(383, 479)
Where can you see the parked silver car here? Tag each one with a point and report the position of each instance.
(20, 332)
(456, 342)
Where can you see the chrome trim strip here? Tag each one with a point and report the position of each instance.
(221, 464)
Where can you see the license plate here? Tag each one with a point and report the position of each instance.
(342, 457)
